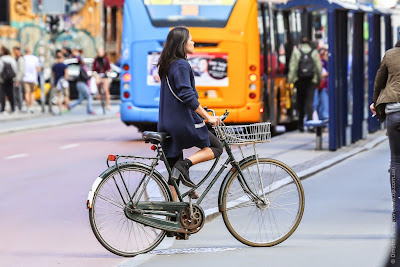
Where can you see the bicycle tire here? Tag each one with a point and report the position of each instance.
(250, 222)
(112, 228)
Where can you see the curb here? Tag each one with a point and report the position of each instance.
(212, 213)
(56, 123)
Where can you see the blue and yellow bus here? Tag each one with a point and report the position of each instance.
(227, 64)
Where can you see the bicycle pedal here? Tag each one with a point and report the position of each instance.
(180, 236)
(170, 234)
(193, 195)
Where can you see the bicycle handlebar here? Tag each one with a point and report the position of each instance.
(223, 116)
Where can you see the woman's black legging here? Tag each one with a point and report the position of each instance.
(215, 145)
(393, 130)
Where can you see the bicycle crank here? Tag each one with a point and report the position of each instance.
(192, 218)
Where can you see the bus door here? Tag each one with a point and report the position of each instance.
(276, 30)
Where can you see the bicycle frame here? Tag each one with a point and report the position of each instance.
(161, 155)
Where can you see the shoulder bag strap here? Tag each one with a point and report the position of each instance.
(173, 91)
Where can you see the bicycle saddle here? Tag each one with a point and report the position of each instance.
(154, 137)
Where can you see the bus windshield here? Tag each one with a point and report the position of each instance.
(190, 13)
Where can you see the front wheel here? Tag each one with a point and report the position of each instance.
(272, 217)
(109, 223)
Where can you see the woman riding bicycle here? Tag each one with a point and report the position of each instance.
(180, 113)
(101, 66)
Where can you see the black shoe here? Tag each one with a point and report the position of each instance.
(181, 171)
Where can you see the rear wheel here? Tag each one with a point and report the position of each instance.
(275, 215)
(111, 227)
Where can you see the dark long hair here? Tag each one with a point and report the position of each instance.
(174, 49)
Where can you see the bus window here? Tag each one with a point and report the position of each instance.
(280, 43)
(213, 13)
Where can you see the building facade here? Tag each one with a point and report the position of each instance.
(87, 25)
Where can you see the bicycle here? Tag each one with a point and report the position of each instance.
(131, 206)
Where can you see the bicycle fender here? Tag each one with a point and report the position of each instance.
(231, 172)
(98, 180)
(91, 192)
(96, 184)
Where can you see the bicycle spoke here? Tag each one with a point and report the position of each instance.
(274, 215)
(114, 230)
(111, 201)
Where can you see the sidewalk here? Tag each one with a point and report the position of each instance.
(295, 149)
(21, 121)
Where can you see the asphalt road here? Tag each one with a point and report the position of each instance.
(46, 175)
(45, 178)
(346, 223)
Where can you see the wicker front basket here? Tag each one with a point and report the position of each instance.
(244, 134)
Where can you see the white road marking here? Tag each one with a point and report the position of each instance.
(68, 146)
(17, 156)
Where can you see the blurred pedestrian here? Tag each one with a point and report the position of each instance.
(18, 82)
(386, 106)
(101, 66)
(32, 68)
(66, 52)
(83, 88)
(321, 97)
(8, 71)
(305, 72)
(60, 78)
(75, 53)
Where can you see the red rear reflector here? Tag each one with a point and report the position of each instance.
(252, 95)
(126, 67)
(253, 68)
(111, 157)
(129, 107)
(153, 147)
(127, 94)
(126, 77)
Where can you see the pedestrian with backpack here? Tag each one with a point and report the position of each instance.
(83, 88)
(305, 70)
(8, 70)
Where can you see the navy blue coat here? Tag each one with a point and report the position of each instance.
(179, 119)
